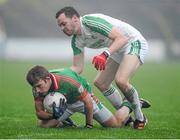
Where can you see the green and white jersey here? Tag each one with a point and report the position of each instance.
(70, 84)
(95, 30)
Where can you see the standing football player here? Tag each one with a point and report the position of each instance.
(126, 49)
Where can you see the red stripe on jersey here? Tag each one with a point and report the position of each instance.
(55, 80)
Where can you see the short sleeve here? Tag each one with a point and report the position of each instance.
(97, 24)
(76, 50)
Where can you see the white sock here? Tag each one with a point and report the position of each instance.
(113, 96)
(133, 98)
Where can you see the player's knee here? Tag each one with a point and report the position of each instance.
(122, 83)
(120, 122)
(80, 71)
(100, 85)
(97, 83)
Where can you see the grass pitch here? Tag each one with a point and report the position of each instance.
(159, 83)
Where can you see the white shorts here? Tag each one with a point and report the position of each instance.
(137, 47)
(100, 112)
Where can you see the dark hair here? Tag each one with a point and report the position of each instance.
(68, 11)
(36, 73)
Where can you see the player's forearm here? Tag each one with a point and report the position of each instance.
(42, 115)
(78, 63)
(89, 113)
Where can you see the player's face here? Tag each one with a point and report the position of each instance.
(66, 24)
(42, 86)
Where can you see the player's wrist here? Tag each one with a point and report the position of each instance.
(106, 53)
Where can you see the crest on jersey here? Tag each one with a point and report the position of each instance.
(81, 89)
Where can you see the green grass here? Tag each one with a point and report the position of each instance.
(159, 83)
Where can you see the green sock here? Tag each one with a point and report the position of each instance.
(127, 104)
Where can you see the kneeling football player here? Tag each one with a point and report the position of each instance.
(79, 97)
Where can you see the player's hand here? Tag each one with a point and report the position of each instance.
(58, 111)
(100, 60)
(69, 122)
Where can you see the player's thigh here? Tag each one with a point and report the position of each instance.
(106, 76)
(127, 68)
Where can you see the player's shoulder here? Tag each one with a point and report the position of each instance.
(88, 16)
(56, 70)
(61, 71)
(91, 20)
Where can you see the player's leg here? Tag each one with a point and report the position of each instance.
(128, 67)
(103, 83)
(107, 119)
(104, 116)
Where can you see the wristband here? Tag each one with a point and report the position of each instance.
(106, 53)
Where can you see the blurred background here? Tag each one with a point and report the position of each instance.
(28, 28)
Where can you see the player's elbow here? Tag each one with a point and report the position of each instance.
(40, 115)
(122, 40)
(78, 70)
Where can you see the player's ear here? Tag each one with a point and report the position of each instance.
(75, 18)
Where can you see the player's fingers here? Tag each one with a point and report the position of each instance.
(100, 67)
(97, 66)
(54, 106)
(103, 66)
(61, 102)
(95, 63)
(94, 60)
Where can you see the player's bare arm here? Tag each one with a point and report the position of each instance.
(41, 114)
(88, 110)
(119, 40)
(78, 63)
